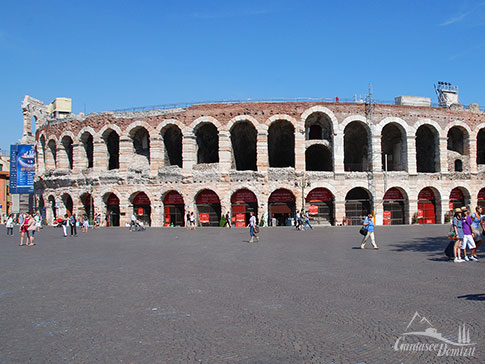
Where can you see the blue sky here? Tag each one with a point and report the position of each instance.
(109, 55)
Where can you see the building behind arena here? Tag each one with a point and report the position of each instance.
(406, 163)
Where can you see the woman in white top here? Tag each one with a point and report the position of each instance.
(252, 227)
(9, 225)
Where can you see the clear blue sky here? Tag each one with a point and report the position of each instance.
(109, 55)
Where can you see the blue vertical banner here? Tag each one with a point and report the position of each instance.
(22, 168)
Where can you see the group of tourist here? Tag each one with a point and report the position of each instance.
(468, 230)
(190, 220)
(302, 220)
(28, 223)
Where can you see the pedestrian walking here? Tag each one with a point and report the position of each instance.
(9, 225)
(192, 221)
(253, 228)
(477, 227)
(38, 221)
(297, 220)
(187, 220)
(228, 220)
(468, 237)
(73, 224)
(369, 226)
(24, 229)
(458, 227)
(31, 228)
(64, 223)
(307, 221)
(85, 224)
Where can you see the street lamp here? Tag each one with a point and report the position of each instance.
(91, 203)
(304, 183)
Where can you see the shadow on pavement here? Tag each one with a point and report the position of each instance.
(435, 246)
(474, 297)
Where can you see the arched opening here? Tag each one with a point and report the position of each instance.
(481, 198)
(207, 138)
(112, 140)
(459, 197)
(141, 145)
(43, 147)
(172, 139)
(318, 158)
(393, 145)
(112, 204)
(88, 145)
(481, 146)
(243, 202)
(395, 205)
(88, 206)
(318, 126)
(357, 205)
(34, 124)
(53, 153)
(456, 140)
(243, 139)
(208, 208)
(67, 145)
(41, 207)
(427, 207)
(427, 150)
(68, 204)
(281, 144)
(174, 208)
(356, 147)
(142, 208)
(320, 206)
(458, 166)
(52, 208)
(282, 207)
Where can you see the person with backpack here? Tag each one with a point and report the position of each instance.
(73, 223)
(369, 226)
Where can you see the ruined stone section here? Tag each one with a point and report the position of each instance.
(261, 147)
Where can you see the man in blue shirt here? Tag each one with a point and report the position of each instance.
(369, 225)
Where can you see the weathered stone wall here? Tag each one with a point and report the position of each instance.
(157, 178)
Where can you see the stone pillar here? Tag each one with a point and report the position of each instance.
(339, 211)
(262, 160)
(126, 209)
(445, 207)
(338, 153)
(126, 153)
(62, 160)
(79, 158)
(100, 155)
(40, 166)
(411, 155)
(443, 155)
(413, 209)
(189, 154)
(157, 213)
(299, 150)
(225, 151)
(157, 151)
(472, 143)
(376, 158)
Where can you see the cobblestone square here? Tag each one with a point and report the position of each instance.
(207, 296)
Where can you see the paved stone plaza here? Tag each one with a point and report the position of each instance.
(207, 296)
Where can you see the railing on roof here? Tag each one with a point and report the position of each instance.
(184, 105)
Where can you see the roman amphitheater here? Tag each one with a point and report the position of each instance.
(404, 163)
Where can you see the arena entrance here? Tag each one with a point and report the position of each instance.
(208, 208)
(481, 198)
(113, 209)
(320, 205)
(174, 208)
(457, 199)
(282, 206)
(426, 206)
(142, 208)
(357, 206)
(394, 207)
(88, 205)
(243, 202)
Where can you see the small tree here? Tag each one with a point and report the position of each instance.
(223, 221)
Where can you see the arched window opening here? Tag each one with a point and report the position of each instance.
(318, 126)
(67, 145)
(458, 166)
(243, 140)
(141, 144)
(53, 150)
(481, 147)
(356, 148)
(393, 147)
(208, 144)
(427, 158)
(172, 139)
(88, 145)
(281, 144)
(112, 141)
(318, 158)
(456, 140)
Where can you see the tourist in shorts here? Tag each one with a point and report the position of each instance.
(468, 236)
(252, 227)
(369, 226)
(477, 227)
(458, 227)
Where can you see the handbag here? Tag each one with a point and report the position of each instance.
(256, 229)
(452, 234)
(363, 231)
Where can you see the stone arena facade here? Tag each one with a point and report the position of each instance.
(405, 164)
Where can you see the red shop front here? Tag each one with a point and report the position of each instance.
(320, 206)
(243, 202)
(282, 206)
(173, 209)
(426, 206)
(208, 208)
